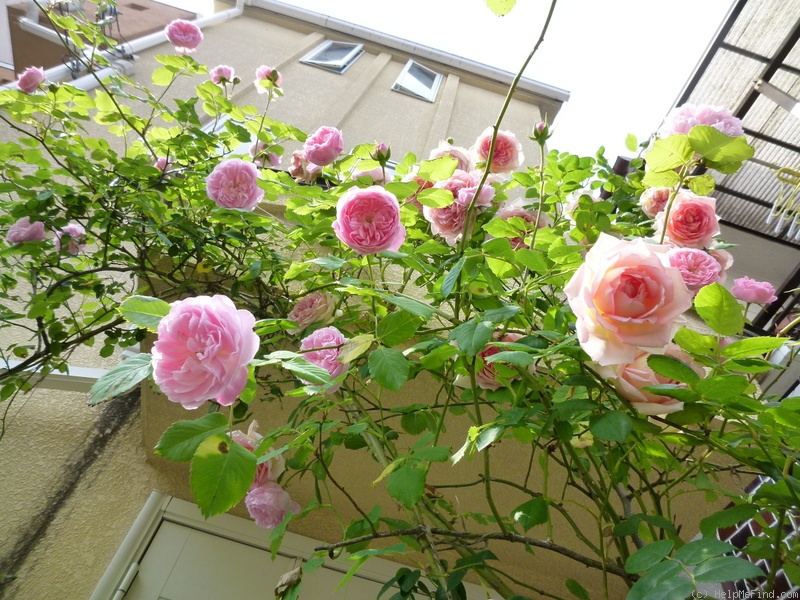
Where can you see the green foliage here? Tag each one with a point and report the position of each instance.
(501, 7)
(221, 474)
(122, 378)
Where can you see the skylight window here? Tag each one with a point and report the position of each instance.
(418, 81)
(334, 56)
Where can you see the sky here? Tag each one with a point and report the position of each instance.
(623, 61)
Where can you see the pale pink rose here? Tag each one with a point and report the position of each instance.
(381, 153)
(76, 238)
(626, 297)
(184, 35)
(752, 291)
(204, 345)
(263, 158)
(266, 79)
(692, 221)
(234, 184)
(698, 268)
(317, 307)
(486, 378)
(221, 74)
(449, 221)
(725, 260)
(25, 231)
(268, 504)
(323, 146)
(268, 470)
(322, 348)
(629, 379)
(508, 154)
(683, 118)
(376, 175)
(368, 220)
(462, 155)
(163, 164)
(30, 79)
(526, 212)
(301, 170)
(654, 200)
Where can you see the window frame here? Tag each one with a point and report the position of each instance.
(432, 91)
(351, 57)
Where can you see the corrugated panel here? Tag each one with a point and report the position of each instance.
(763, 25)
(718, 87)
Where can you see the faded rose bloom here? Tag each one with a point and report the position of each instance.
(317, 307)
(752, 291)
(683, 118)
(221, 74)
(266, 79)
(322, 348)
(184, 35)
(654, 200)
(692, 221)
(698, 268)
(266, 471)
(368, 220)
(507, 152)
(526, 212)
(302, 170)
(76, 238)
(30, 79)
(626, 297)
(629, 379)
(263, 158)
(204, 345)
(323, 146)
(462, 155)
(26, 231)
(268, 504)
(234, 184)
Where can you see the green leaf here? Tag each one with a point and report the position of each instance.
(501, 7)
(630, 142)
(663, 179)
(696, 343)
(726, 518)
(577, 590)
(512, 357)
(436, 197)
(180, 441)
(648, 556)
(669, 153)
(754, 346)
(666, 581)
(437, 169)
(433, 453)
(451, 278)
(125, 376)
(502, 314)
(613, 426)
(414, 423)
(722, 387)
(144, 311)
(307, 371)
(162, 76)
(415, 307)
(472, 336)
(531, 513)
(702, 185)
(406, 483)
(726, 568)
(397, 327)
(715, 146)
(672, 368)
(719, 309)
(535, 260)
(221, 474)
(331, 263)
(699, 550)
(389, 368)
(502, 228)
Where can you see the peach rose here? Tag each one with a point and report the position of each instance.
(691, 223)
(508, 154)
(654, 200)
(456, 152)
(626, 297)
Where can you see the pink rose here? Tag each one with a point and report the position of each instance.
(263, 158)
(525, 212)
(268, 504)
(368, 220)
(692, 221)
(322, 348)
(698, 268)
(204, 345)
(30, 79)
(267, 471)
(301, 170)
(683, 118)
(486, 378)
(163, 164)
(449, 221)
(323, 146)
(317, 307)
(376, 175)
(507, 151)
(752, 291)
(221, 74)
(25, 231)
(654, 200)
(382, 153)
(234, 184)
(626, 296)
(462, 155)
(184, 35)
(266, 79)
(76, 238)
(629, 379)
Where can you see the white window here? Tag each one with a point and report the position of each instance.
(418, 81)
(334, 56)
